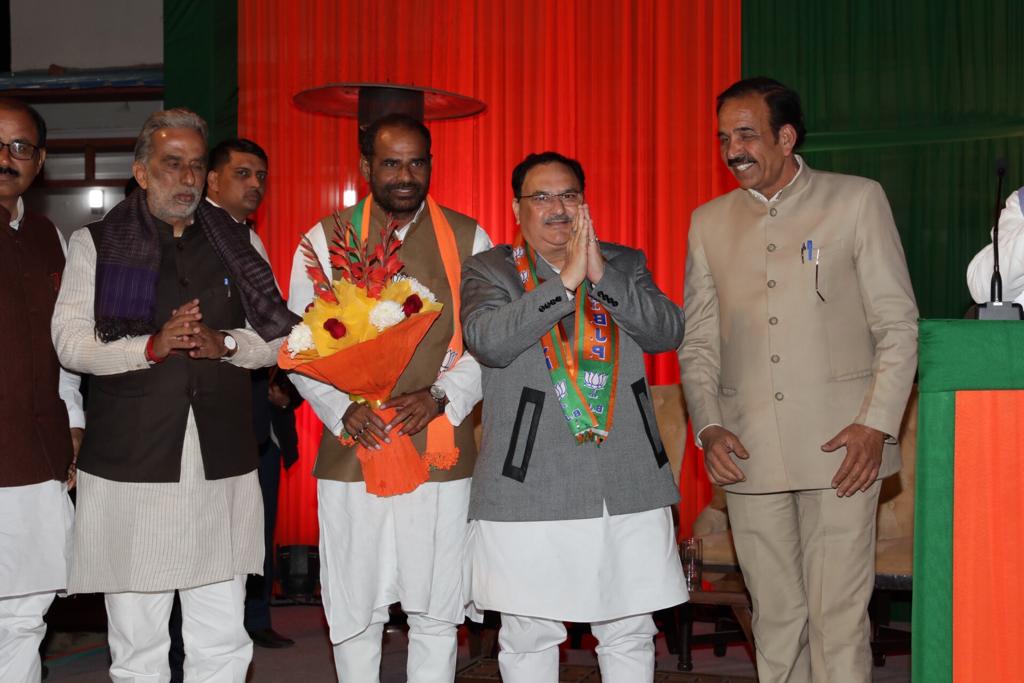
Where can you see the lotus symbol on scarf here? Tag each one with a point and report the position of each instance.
(560, 390)
(595, 381)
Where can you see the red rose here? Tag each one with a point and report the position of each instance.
(412, 305)
(335, 328)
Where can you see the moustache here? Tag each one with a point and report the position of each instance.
(8, 170)
(558, 218)
(736, 161)
(403, 186)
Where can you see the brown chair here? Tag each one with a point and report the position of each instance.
(677, 623)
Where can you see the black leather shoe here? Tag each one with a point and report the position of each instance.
(268, 637)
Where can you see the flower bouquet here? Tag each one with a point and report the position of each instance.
(358, 334)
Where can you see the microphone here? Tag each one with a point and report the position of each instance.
(996, 309)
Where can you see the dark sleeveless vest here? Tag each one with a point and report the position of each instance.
(35, 441)
(422, 259)
(137, 419)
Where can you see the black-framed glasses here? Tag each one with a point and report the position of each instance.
(569, 198)
(23, 151)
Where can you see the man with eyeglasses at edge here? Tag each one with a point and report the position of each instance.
(571, 492)
(168, 303)
(407, 548)
(799, 355)
(39, 432)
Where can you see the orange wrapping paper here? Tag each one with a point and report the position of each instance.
(370, 370)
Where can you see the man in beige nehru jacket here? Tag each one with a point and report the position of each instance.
(799, 354)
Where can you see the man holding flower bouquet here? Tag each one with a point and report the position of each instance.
(571, 492)
(393, 518)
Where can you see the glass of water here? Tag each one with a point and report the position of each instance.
(691, 552)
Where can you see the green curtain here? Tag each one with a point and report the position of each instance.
(201, 62)
(921, 95)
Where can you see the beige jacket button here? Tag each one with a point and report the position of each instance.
(778, 396)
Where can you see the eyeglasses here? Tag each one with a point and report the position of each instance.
(570, 198)
(23, 151)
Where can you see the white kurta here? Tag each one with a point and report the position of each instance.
(134, 536)
(375, 551)
(149, 537)
(581, 570)
(1011, 257)
(35, 533)
(408, 548)
(35, 538)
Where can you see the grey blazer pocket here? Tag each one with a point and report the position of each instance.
(643, 403)
(520, 448)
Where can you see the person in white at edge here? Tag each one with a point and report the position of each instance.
(1011, 257)
(565, 530)
(375, 551)
(36, 464)
(168, 303)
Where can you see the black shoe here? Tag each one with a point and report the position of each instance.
(268, 637)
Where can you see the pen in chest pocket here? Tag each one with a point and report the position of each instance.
(817, 270)
(227, 286)
(807, 251)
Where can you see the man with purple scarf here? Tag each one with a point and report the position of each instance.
(168, 303)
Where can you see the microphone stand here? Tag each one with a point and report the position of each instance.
(996, 309)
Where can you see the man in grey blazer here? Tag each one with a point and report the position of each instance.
(800, 351)
(571, 492)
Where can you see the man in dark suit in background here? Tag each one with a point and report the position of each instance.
(236, 182)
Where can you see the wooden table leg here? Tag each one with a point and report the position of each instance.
(743, 616)
(685, 633)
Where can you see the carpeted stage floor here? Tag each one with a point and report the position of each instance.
(81, 657)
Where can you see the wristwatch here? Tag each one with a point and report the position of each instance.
(230, 344)
(440, 397)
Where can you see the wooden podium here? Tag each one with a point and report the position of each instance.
(969, 514)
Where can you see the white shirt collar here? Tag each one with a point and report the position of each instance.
(225, 210)
(778, 195)
(404, 230)
(19, 213)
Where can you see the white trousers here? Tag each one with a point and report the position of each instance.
(529, 649)
(21, 630)
(433, 646)
(217, 648)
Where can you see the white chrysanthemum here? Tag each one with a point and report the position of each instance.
(386, 314)
(425, 294)
(300, 339)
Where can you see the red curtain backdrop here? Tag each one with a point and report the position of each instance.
(626, 87)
